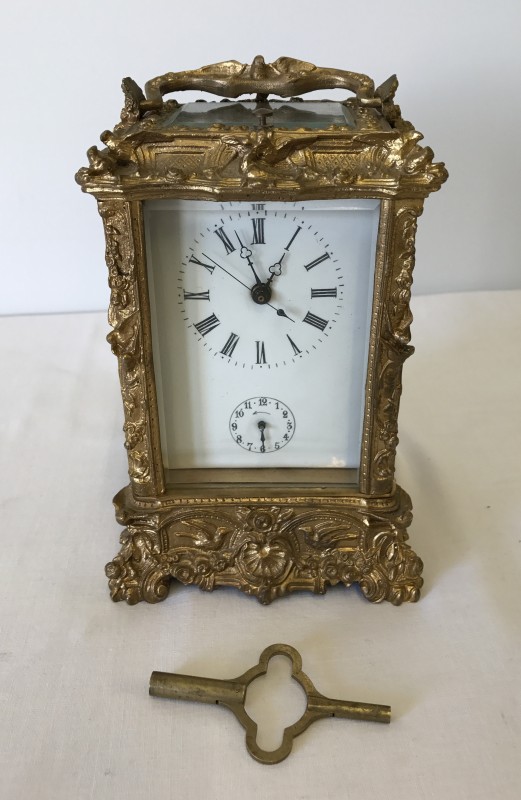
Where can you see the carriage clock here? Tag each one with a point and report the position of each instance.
(260, 254)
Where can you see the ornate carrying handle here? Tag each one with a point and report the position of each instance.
(285, 77)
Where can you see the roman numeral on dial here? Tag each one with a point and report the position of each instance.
(258, 230)
(196, 295)
(317, 322)
(296, 351)
(228, 246)
(207, 325)
(230, 345)
(261, 353)
(195, 260)
(323, 293)
(317, 261)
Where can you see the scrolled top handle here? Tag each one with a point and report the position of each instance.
(285, 77)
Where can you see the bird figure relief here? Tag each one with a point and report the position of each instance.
(259, 154)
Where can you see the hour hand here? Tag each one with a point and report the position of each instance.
(261, 425)
(275, 269)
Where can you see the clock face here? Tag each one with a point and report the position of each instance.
(260, 328)
(260, 288)
(262, 425)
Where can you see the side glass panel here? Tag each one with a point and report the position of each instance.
(260, 325)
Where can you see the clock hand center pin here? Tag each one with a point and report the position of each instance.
(261, 293)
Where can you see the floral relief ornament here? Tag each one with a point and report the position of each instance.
(267, 552)
(266, 555)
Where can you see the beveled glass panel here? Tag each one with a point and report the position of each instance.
(312, 114)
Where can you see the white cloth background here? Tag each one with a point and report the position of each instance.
(76, 718)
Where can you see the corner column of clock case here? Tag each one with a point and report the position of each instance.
(264, 546)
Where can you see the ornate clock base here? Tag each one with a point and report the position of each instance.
(267, 549)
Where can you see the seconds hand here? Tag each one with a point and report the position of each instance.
(280, 311)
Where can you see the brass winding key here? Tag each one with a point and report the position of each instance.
(232, 694)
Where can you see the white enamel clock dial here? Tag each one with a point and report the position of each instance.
(245, 261)
(260, 301)
(262, 425)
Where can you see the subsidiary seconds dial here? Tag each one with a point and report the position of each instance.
(259, 287)
(262, 425)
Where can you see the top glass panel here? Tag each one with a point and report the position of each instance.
(312, 114)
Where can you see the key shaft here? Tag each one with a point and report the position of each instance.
(348, 709)
(200, 690)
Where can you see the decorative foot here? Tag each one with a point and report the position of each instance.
(137, 572)
(395, 572)
(393, 569)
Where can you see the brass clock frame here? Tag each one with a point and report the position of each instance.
(279, 534)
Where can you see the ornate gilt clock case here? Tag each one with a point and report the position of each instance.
(266, 532)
